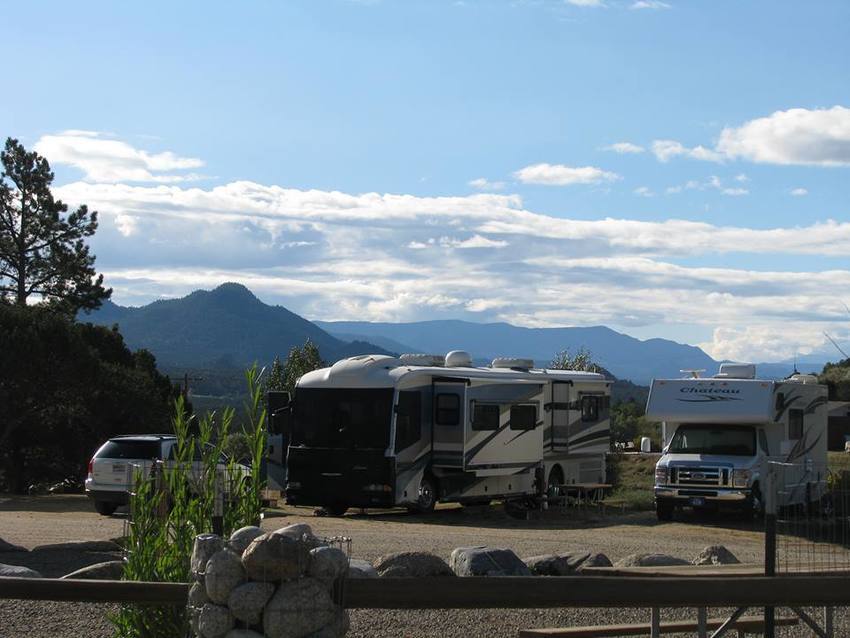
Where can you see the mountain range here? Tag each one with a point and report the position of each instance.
(229, 327)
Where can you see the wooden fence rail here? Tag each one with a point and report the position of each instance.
(472, 593)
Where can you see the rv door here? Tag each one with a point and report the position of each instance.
(449, 418)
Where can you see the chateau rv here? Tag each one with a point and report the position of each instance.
(378, 431)
(719, 434)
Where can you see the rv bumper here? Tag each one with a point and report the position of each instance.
(689, 496)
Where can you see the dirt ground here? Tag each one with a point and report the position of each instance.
(34, 521)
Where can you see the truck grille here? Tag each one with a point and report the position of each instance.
(700, 476)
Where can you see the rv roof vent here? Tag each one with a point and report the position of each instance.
(802, 378)
(736, 371)
(422, 360)
(512, 362)
(458, 359)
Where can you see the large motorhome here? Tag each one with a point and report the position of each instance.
(380, 431)
(719, 434)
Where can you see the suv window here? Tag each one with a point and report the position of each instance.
(130, 449)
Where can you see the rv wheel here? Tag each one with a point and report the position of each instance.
(105, 508)
(754, 505)
(336, 509)
(427, 495)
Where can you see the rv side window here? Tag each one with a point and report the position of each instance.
(408, 422)
(448, 409)
(795, 424)
(763, 442)
(485, 416)
(523, 417)
(590, 408)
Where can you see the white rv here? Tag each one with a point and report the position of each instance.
(719, 434)
(379, 431)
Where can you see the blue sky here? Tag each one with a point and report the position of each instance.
(674, 169)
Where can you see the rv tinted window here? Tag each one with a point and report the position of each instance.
(448, 409)
(408, 420)
(342, 418)
(732, 440)
(485, 416)
(795, 424)
(523, 417)
(590, 408)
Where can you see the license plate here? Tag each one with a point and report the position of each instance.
(119, 467)
(697, 501)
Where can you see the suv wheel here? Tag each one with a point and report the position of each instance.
(105, 508)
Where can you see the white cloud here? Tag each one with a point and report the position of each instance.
(624, 148)
(797, 136)
(742, 177)
(483, 184)
(103, 159)
(712, 182)
(761, 342)
(649, 4)
(560, 175)
(665, 150)
(586, 3)
(643, 191)
(799, 192)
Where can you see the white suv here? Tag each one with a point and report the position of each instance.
(112, 468)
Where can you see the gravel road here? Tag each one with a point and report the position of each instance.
(42, 520)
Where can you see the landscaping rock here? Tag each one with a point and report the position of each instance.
(224, 572)
(242, 537)
(358, 568)
(327, 563)
(300, 532)
(6, 546)
(716, 555)
(273, 557)
(214, 621)
(596, 559)
(487, 561)
(205, 546)
(110, 570)
(338, 627)
(80, 546)
(298, 609)
(650, 560)
(411, 565)
(246, 602)
(198, 595)
(16, 571)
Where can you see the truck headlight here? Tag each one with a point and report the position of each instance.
(741, 478)
(661, 475)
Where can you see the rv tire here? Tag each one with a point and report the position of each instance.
(105, 508)
(427, 498)
(754, 505)
(664, 510)
(336, 509)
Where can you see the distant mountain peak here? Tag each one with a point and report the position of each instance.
(233, 291)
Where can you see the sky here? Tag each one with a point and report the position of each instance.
(673, 169)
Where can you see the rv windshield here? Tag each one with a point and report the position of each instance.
(734, 440)
(338, 418)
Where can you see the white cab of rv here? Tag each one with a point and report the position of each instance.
(380, 431)
(719, 434)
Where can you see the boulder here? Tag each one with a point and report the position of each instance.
(411, 565)
(336, 628)
(242, 537)
(198, 595)
(110, 570)
(246, 602)
(80, 546)
(298, 608)
(6, 546)
(487, 561)
(566, 563)
(273, 557)
(650, 560)
(715, 555)
(358, 568)
(300, 532)
(214, 621)
(17, 571)
(224, 572)
(205, 546)
(596, 559)
(327, 563)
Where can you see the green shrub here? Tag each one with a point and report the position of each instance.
(177, 501)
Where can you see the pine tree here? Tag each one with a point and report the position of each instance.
(43, 253)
